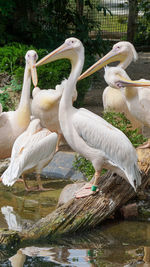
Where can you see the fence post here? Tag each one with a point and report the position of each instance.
(132, 19)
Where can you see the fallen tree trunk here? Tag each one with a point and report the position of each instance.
(86, 213)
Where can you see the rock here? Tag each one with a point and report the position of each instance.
(61, 166)
(129, 211)
(68, 193)
(4, 163)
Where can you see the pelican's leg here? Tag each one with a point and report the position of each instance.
(58, 141)
(27, 187)
(40, 186)
(25, 183)
(89, 188)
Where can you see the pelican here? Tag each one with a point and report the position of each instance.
(32, 151)
(87, 133)
(13, 123)
(137, 96)
(113, 100)
(45, 105)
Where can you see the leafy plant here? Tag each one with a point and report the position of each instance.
(119, 121)
(142, 35)
(5, 99)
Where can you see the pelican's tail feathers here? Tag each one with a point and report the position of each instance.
(134, 177)
(11, 175)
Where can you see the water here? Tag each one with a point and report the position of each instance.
(113, 244)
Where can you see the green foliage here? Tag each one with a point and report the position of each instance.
(142, 35)
(119, 121)
(5, 99)
(46, 24)
(84, 166)
(12, 61)
(12, 57)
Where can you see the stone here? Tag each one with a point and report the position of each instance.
(61, 167)
(129, 211)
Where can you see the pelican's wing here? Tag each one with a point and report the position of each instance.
(101, 135)
(19, 144)
(39, 150)
(144, 98)
(40, 147)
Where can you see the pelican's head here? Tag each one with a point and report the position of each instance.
(113, 75)
(124, 52)
(31, 57)
(70, 49)
(117, 77)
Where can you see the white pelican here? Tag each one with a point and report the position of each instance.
(87, 133)
(113, 100)
(45, 105)
(32, 151)
(13, 123)
(136, 95)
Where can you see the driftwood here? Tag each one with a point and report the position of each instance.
(83, 214)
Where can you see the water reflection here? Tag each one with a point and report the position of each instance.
(59, 256)
(13, 220)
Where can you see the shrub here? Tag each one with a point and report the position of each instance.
(12, 61)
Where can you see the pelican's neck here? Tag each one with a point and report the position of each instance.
(76, 68)
(125, 63)
(25, 94)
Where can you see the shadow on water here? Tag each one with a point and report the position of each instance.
(114, 244)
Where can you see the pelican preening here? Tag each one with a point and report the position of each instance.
(136, 99)
(114, 100)
(32, 151)
(136, 95)
(87, 133)
(13, 123)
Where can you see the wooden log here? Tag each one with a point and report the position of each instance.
(86, 213)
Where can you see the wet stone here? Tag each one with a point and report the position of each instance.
(61, 166)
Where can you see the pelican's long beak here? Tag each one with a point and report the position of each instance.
(54, 55)
(123, 82)
(34, 75)
(111, 56)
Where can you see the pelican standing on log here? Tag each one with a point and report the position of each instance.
(113, 99)
(13, 123)
(87, 133)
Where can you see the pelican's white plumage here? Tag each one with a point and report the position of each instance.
(32, 151)
(137, 98)
(13, 123)
(113, 99)
(45, 105)
(87, 133)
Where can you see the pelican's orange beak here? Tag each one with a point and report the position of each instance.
(123, 82)
(34, 75)
(110, 57)
(60, 52)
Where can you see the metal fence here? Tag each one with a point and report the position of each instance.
(112, 15)
(113, 18)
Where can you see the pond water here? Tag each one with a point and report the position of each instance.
(114, 244)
